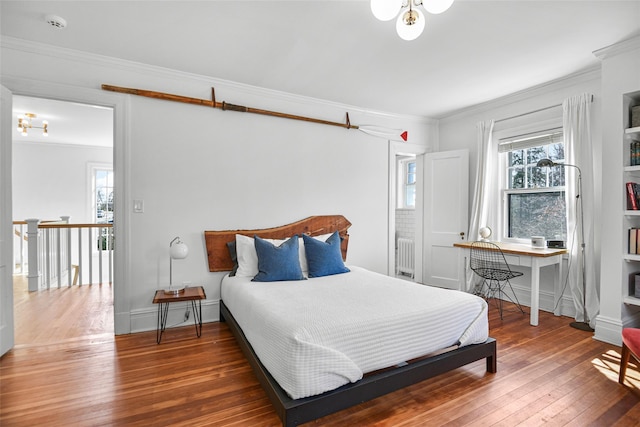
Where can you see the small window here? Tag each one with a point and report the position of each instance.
(534, 197)
(407, 181)
(103, 190)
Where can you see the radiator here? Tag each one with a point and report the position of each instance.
(405, 258)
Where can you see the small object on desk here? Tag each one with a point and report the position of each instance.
(485, 233)
(174, 290)
(163, 300)
(555, 244)
(538, 242)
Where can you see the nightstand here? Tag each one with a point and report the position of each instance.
(194, 294)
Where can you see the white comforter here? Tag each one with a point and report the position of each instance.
(318, 334)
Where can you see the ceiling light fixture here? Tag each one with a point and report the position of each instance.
(24, 123)
(411, 20)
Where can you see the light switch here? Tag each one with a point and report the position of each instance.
(138, 206)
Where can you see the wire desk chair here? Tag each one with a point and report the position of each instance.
(488, 261)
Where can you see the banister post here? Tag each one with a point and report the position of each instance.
(32, 258)
(67, 251)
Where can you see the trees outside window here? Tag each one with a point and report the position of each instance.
(103, 190)
(534, 197)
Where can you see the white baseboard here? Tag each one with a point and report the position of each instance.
(546, 301)
(146, 319)
(608, 330)
(122, 323)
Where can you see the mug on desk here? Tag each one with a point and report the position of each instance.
(538, 242)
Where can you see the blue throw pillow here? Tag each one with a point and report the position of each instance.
(324, 258)
(277, 263)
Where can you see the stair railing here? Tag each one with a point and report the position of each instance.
(61, 252)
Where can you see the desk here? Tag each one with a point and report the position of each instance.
(527, 256)
(163, 300)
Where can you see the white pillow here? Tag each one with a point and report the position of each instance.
(303, 254)
(248, 257)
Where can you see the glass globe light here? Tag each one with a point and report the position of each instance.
(436, 6)
(410, 24)
(485, 232)
(179, 250)
(385, 10)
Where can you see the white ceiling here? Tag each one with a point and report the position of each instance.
(69, 123)
(336, 50)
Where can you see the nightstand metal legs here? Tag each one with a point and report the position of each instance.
(163, 313)
(193, 294)
(197, 316)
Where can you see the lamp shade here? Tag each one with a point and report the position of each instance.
(385, 10)
(178, 250)
(436, 6)
(485, 233)
(410, 31)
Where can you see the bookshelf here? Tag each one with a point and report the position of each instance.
(631, 217)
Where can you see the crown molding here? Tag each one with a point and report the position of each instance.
(588, 74)
(627, 45)
(17, 142)
(162, 72)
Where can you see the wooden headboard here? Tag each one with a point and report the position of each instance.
(216, 241)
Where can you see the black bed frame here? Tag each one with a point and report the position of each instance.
(297, 411)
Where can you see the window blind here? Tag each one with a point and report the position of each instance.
(550, 136)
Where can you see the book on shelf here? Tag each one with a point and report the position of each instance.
(634, 153)
(633, 196)
(634, 284)
(634, 241)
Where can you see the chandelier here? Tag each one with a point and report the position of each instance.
(410, 21)
(24, 123)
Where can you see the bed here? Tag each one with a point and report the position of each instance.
(329, 363)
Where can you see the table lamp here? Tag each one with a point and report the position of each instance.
(177, 250)
(485, 233)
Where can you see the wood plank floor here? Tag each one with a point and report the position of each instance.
(72, 371)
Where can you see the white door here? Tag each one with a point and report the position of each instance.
(446, 203)
(6, 227)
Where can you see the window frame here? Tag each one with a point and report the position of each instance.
(502, 173)
(403, 173)
(505, 209)
(92, 169)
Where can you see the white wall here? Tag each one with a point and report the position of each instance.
(459, 131)
(51, 180)
(202, 169)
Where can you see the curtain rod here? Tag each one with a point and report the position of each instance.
(531, 112)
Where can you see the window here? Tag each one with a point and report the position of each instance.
(103, 195)
(534, 198)
(407, 181)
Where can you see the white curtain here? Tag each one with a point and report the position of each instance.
(483, 208)
(576, 123)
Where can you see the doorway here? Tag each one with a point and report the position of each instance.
(405, 210)
(51, 161)
(405, 204)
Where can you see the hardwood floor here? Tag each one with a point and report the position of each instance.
(71, 370)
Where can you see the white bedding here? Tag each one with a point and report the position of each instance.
(318, 334)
